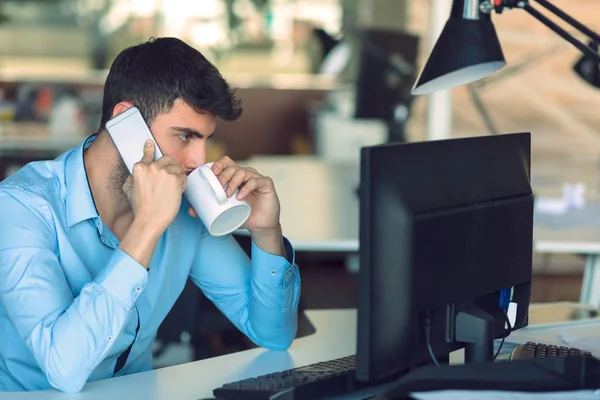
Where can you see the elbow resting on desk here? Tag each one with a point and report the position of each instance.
(68, 379)
(277, 339)
(69, 384)
(65, 359)
(280, 345)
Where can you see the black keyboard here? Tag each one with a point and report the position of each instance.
(336, 377)
(331, 378)
(532, 350)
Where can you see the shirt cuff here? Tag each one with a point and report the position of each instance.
(272, 269)
(123, 277)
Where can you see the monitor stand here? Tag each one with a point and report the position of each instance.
(475, 329)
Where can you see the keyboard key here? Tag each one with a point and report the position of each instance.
(325, 377)
(532, 350)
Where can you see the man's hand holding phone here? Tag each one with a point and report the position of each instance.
(155, 189)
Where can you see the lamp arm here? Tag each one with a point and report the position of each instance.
(499, 5)
(562, 33)
(570, 20)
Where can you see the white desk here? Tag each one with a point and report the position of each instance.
(571, 233)
(335, 337)
(582, 241)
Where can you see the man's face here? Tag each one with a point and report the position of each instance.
(182, 134)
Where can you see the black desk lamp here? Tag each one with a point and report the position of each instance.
(468, 48)
(589, 69)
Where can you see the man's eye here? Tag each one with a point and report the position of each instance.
(184, 136)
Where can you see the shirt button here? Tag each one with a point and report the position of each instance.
(273, 272)
(138, 288)
(109, 338)
(285, 310)
(288, 273)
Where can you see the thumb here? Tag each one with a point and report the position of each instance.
(148, 156)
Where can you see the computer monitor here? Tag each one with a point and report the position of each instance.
(445, 227)
(386, 73)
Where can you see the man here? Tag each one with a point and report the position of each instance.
(92, 259)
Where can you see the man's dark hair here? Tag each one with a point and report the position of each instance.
(152, 75)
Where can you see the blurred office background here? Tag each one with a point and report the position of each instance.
(318, 78)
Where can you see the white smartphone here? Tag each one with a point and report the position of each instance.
(129, 132)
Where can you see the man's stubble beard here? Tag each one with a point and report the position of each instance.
(118, 175)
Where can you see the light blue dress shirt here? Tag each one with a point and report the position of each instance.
(70, 298)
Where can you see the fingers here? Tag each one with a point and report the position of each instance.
(127, 185)
(226, 174)
(222, 164)
(182, 182)
(167, 163)
(234, 177)
(148, 156)
(259, 184)
(240, 177)
(173, 169)
(166, 160)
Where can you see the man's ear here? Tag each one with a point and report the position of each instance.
(119, 108)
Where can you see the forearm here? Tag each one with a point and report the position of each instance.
(140, 241)
(273, 311)
(274, 297)
(69, 343)
(259, 295)
(70, 346)
(270, 241)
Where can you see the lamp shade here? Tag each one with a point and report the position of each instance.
(466, 51)
(589, 69)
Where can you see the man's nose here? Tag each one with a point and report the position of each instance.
(192, 163)
(196, 156)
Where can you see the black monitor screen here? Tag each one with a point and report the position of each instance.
(445, 228)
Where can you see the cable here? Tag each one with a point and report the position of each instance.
(428, 339)
(500, 348)
(504, 300)
(506, 332)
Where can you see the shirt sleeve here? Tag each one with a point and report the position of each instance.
(259, 295)
(68, 336)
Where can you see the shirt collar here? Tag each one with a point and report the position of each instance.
(79, 202)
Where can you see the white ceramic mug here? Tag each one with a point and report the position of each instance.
(220, 214)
